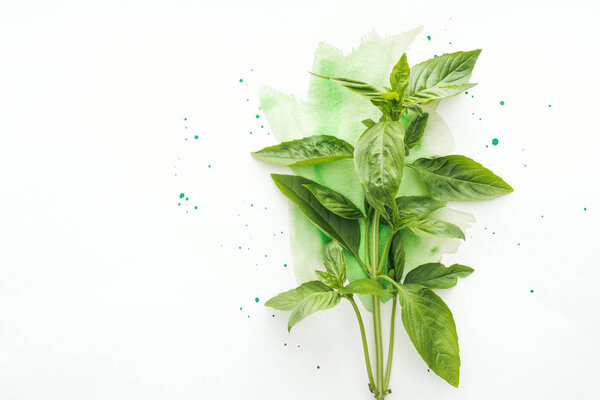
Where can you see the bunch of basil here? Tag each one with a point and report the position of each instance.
(379, 161)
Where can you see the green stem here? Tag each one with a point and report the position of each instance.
(386, 249)
(364, 341)
(377, 307)
(390, 280)
(388, 370)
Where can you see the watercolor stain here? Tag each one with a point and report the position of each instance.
(181, 195)
(428, 37)
(495, 142)
(531, 291)
(257, 299)
(501, 102)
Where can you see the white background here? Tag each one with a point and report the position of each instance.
(110, 290)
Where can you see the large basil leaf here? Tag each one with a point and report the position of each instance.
(287, 301)
(379, 161)
(434, 228)
(361, 88)
(436, 276)
(311, 304)
(306, 151)
(396, 258)
(459, 178)
(441, 77)
(345, 231)
(334, 260)
(415, 129)
(418, 205)
(335, 202)
(366, 286)
(430, 326)
(400, 76)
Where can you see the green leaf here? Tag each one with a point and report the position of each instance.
(366, 286)
(328, 279)
(419, 205)
(335, 202)
(287, 301)
(345, 231)
(379, 161)
(368, 122)
(438, 93)
(431, 328)
(434, 228)
(361, 88)
(415, 129)
(436, 276)
(441, 77)
(334, 260)
(400, 76)
(306, 151)
(397, 257)
(311, 304)
(458, 178)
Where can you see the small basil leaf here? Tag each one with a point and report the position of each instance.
(415, 129)
(441, 76)
(431, 328)
(328, 279)
(436, 276)
(459, 178)
(397, 257)
(287, 301)
(311, 304)
(379, 161)
(361, 88)
(306, 151)
(368, 122)
(434, 228)
(366, 286)
(335, 202)
(345, 231)
(400, 76)
(419, 205)
(334, 260)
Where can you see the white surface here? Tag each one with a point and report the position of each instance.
(109, 290)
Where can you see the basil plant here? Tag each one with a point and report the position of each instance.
(379, 160)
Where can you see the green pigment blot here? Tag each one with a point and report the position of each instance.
(196, 137)
(428, 37)
(502, 102)
(241, 80)
(318, 367)
(531, 291)
(257, 299)
(257, 116)
(181, 195)
(495, 142)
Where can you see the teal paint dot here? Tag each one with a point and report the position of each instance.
(185, 119)
(257, 299)
(273, 315)
(428, 37)
(181, 195)
(240, 308)
(251, 133)
(518, 244)
(257, 116)
(584, 208)
(466, 92)
(240, 247)
(251, 205)
(549, 105)
(241, 80)
(196, 137)
(531, 291)
(318, 367)
(435, 55)
(209, 165)
(502, 102)
(187, 199)
(284, 265)
(195, 207)
(495, 142)
(285, 344)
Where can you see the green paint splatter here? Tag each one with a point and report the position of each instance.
(241, 80)
(326, 109)
(495, 142)
(502, 102)
(428, 37)
(531, 291)
(318, 367)
(196, 137)
(185, 119)
(181, 195)
(549, 105)
(584, 208)
(209, 166)
(257, 299)
(258, 116)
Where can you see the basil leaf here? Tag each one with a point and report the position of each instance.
(345, 231)
(440, 77)
(379, 161)
(400, 76)
(368, 122)
(334, 260)
(306, 151)
(415, 129)
(287, 301)
(431, 328)
(434, 228)
(311, 304)
(418, 205)
(366, 286)
(335, 202)
(436, 276)
(328, 279)
(438, 93)
(397, 257)
(459, 178)
(362, 88)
